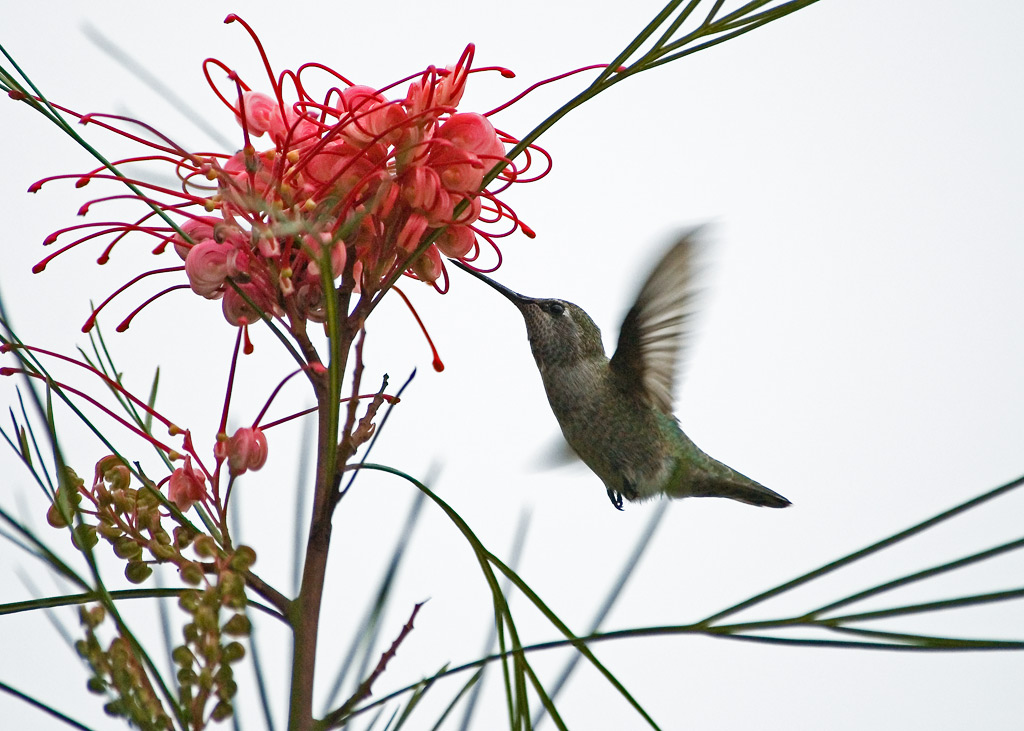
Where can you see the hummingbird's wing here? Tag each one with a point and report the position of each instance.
(657, 327)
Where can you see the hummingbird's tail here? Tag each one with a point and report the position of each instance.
(710, 478)
(740, 488)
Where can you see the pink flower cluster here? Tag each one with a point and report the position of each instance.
(360, 174)
(345, 193)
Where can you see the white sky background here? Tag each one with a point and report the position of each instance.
(858, 348)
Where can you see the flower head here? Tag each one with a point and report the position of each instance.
(338, 189)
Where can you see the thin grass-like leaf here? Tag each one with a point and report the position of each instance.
(39, 549)
(44, 707)
(575, 641)
(613, 594)
(546, 701)
(261, 680)
(23, 447)
(394, 715)
(27, 425)
(16, 446)
(486, 560)
(147, 423)
(417, 696)
(921, 575)
(472, 684)
(21, 544)
(928, 641)
(518, 542)
(70, 600)
(98, 587)
(864, 552)
(963, 601)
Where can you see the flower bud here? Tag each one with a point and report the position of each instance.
(126, 547)
(182, 656)
(54, 518)
(226, 685)
(84, 537)
(189, 601)
(237, 626)
(205, 546)
(187, 486)
(161, 552)
(208, 265)
(243, 558)
(191, 573)
(109, 531)
(233, 652)
(246, 450)
(183, 537)
(137, 571)
(222, 711)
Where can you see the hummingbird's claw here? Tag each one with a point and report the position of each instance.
(616, 497)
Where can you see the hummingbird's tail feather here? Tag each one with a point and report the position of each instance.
(711, 478)
(740, 488)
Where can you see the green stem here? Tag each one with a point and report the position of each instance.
(305, 610)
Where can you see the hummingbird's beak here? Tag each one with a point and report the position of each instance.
(517, 299)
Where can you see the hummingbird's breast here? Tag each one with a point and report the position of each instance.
(619, 437)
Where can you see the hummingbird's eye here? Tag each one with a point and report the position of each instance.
(555, 308)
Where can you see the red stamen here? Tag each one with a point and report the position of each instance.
(230, 383)
(539, 84)
(172, 149)
(209, 80)
(438, 364)
(95, 313)
(507, 73)
(248, 348)
(7, 371)
(273, 395)
(128, 320)
(442, 289)
(486, 237)
(320, 67)
(232, 18)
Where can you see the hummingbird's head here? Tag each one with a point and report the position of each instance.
(560, 332)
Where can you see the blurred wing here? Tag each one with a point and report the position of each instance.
(658, 326)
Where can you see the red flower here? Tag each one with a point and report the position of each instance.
(353, 179)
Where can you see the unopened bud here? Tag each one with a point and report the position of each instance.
(137, 571)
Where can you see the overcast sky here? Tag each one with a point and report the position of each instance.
(858, 351)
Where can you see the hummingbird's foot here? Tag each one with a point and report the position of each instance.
(616, 497)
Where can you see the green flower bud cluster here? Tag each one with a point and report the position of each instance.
(127, 518)
(217, 612)
(118, 673)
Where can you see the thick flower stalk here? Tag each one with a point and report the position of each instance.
(340, 190)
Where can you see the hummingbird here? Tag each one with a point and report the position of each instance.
(616, 413)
